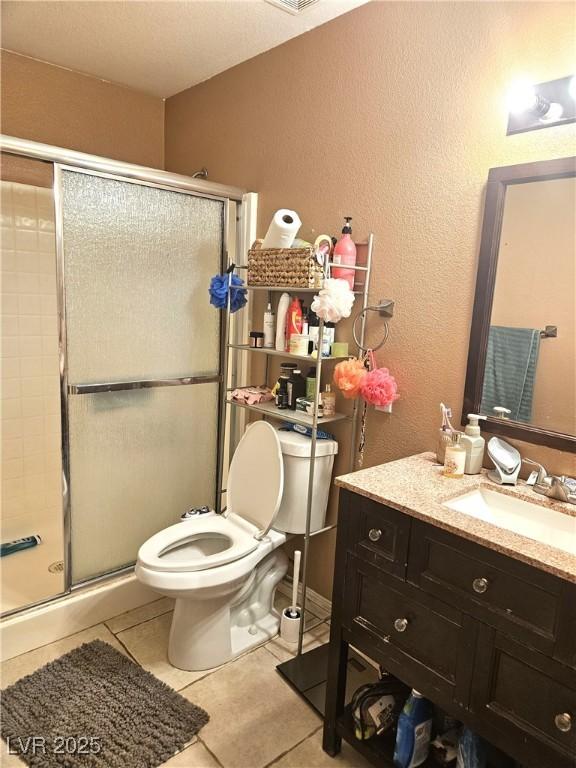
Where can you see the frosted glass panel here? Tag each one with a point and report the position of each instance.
(138, 459)
(138, 262)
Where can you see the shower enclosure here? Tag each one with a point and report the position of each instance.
(133, 348)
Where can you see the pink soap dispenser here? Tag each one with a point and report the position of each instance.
(345, 254)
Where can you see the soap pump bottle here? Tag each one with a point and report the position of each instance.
(455, 457)
(345, 254)
(445, 433)
(473, 443)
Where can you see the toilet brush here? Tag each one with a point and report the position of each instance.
(290, 622)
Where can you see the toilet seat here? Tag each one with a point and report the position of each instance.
(255, 485)
(155, 553)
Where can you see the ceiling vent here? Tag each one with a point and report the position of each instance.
(293, 6)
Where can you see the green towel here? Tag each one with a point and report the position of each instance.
(510, 371)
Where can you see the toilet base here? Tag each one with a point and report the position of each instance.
(206, 633)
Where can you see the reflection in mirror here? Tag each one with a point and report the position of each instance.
(530, 369)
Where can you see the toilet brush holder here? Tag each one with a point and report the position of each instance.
(290, 625)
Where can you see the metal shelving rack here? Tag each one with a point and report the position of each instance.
(297, 670)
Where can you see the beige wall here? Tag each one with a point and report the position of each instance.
(535, 287)
(56, 106)
(392, 114)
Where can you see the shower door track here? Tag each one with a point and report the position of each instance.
(79, 162)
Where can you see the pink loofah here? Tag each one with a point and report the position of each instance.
(378, 387)
(348, 376)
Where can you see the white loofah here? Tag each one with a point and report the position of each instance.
(334, 300)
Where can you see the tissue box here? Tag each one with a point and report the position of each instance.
(306, 404)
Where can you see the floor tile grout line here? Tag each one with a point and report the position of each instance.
(294, 746)
(140, 623)
(131, 655)
(207, 748)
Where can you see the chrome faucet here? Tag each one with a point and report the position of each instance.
(552, 486)
(507, 462)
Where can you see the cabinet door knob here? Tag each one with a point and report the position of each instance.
(563, 722)
(400, 625)
(480, 585)
(374, 534)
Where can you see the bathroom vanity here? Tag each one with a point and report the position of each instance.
(480, 619)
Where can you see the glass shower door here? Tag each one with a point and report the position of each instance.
(143, 357)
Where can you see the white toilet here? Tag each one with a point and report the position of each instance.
(223, 569)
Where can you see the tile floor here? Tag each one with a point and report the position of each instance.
(256, 719)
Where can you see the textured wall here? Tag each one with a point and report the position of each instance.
(67, 109)
(392, 114)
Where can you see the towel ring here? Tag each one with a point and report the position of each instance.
(386, 329)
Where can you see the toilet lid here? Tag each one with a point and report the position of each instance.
(256, 477)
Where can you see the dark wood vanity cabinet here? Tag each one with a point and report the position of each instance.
(489, 639)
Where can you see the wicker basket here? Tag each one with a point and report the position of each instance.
(284, 267)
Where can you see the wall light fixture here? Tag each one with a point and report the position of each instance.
(543, 105)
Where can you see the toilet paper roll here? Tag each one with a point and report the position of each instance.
(282, 230)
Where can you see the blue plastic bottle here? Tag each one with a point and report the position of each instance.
(413, 732)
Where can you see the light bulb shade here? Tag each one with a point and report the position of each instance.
(522, 97)
(541, 105)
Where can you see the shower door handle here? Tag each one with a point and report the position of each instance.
(119, 386)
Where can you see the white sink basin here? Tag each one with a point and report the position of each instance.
(531, 520)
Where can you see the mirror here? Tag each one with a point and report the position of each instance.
(522, 358)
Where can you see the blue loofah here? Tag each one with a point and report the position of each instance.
(219, 287)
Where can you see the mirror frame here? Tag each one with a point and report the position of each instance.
(498, 181)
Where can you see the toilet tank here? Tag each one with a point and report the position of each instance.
(296, 451)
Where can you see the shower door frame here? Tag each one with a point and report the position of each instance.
(79, 162)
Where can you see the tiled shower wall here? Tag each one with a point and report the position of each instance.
(30, 412)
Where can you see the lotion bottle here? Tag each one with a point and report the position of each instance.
(269, 339)
(455, 457)
(283, 305)
(345, 254)
(473, 443)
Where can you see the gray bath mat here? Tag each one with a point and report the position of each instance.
(94, 708)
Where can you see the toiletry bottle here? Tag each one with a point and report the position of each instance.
(18, 545)
(283, 305)
(329, 401)
(269, 327)
(311, 383)
(313, 330)
(304, 321)
(473, 443)
(413, 732)
(296, 387)
(445, 436)
(345, 254)
(293, 320)
(455, 457)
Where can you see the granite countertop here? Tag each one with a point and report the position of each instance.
(416, 486)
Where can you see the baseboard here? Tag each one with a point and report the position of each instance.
(325, 605)
(72, 613)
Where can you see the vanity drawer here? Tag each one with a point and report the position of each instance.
(534, 698)
(378, 534)
(500, 591)
(410, 631)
